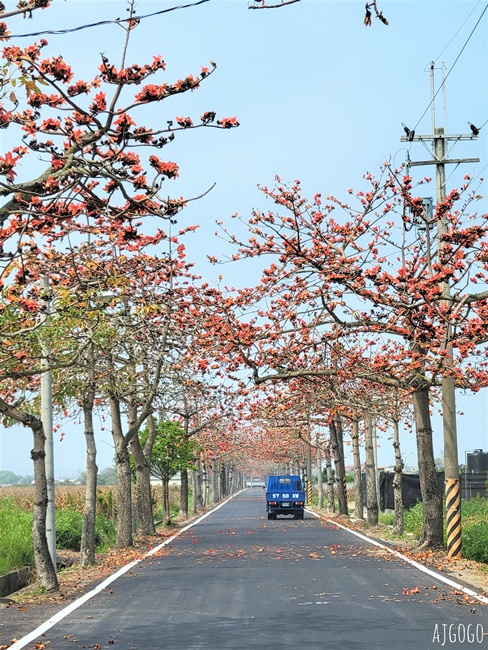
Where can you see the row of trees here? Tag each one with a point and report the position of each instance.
(357, 305)
(105, 297)
(350, 322)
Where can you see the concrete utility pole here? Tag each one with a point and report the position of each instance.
(47, 424)
(438, 138)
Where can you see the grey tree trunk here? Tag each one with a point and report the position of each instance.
(145, 520)
(124, 487)
(330, 480)
(371, 492)
(397, 482)
(143, 505)
(197, 488)
(87, 548)
(205, 486)
(184, 496)
(320, 485)
(215, 482)
(223, 486)
(358, 489)
(166, 504)
(46, 572)
(231, 476)
(337, 450)
(432, 532)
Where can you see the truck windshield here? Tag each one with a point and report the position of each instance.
(285, 483)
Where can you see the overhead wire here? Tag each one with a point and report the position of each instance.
(117, 21)
(452, 66)
(457, 32)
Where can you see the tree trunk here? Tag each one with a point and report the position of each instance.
(197, 488)
(358, 488)
(330, 480)
(397, 482)
(145, 521)
(432, 532)
(215, 482)
(166, 505)
(371, 492)
(230, 478)
(205, 488)
(87, 550)
(337, 449)
(143, 505)
(320, 485)
(184, 494)
(124, 487)
(223, 491)
(46, 572)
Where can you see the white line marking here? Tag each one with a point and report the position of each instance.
(421, 567)
(32, 636)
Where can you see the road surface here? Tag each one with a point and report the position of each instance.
(237, 580)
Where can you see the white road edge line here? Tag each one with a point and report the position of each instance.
(421, 567)
(32, 636)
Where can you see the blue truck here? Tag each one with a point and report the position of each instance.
(284, 496)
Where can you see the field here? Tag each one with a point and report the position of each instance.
(16, 505)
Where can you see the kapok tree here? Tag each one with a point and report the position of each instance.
(368, 271)
(171, 452)
(196, 395)
(87, 140)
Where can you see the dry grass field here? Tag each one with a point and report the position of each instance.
(72, 497)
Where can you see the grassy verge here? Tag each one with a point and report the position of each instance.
(16, 546)
(474, 516)
(16, 506)
(69, 525)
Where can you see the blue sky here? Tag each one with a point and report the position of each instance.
(319, 97)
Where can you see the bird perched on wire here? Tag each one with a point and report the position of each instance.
(410, 134)
(473, 128)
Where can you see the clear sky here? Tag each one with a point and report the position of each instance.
(320, 98)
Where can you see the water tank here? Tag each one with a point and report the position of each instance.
(477, 461)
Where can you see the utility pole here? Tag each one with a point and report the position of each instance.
(438, 140)
(47, 424)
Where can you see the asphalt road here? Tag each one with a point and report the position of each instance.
(237, 580)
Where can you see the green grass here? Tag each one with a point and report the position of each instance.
(475, 529)
(69, 526)
(413, 520)
(16, 534)
(387, 519)
(474, 516)
(16, 544)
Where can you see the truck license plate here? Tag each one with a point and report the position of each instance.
(285, 505)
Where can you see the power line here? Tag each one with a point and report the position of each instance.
(452, 66)
(457, 32)
(117, 21)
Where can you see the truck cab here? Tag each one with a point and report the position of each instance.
(285, 496)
